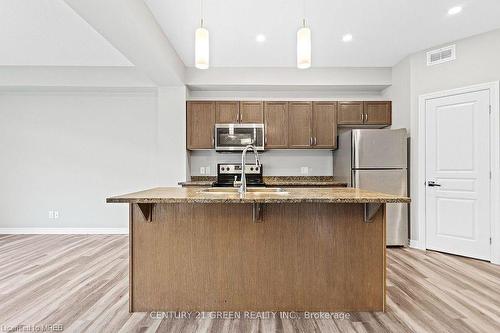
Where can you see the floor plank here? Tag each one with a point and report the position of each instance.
(81, 283)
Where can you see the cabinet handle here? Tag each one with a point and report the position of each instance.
(366, 117)
(362, 116)
(311, 141)
(315, 141)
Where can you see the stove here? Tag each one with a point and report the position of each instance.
(227, 173)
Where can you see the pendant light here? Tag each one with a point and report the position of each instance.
(303, 44)
(201, 48)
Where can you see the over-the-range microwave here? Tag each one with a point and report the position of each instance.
(235, 137)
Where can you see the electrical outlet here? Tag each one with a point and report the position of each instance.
(56, 214)
(202, 170)
(207, 170)
(304, 170)
(51, 214)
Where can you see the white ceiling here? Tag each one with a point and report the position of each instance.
(384, 31)
(50, 33)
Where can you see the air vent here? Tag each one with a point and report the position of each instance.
(441, 55)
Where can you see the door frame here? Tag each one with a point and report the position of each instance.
(418, 181)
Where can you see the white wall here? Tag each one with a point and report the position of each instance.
(477, 62)
(275, 162)
(68, 151)
(171, 128)
(399, 93)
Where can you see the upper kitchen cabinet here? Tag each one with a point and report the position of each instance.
(378, 113)
(300, 125)
(200, 122)
(227, 112)
(251, 112)
(324, 125)
(312, 125)
(276, 124)
(350, 113)
(370, 114)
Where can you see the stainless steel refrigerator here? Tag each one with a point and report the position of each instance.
(376, 160)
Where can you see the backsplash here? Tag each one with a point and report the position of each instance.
(276, 162)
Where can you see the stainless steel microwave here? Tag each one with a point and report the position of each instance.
(235, 137)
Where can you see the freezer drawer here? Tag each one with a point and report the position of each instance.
(377, 149)
(391, 182)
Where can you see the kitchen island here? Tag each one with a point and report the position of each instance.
(297, 249)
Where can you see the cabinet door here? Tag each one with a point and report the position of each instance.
(227, 112)
(325, 124)
(276, 124)
(378, 113)
(251, 112)
(200, 125)
(350, 113)
(299, 125)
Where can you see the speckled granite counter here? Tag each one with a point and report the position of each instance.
(282, 181)
(292, 195)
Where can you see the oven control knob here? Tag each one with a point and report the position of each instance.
(251, 169)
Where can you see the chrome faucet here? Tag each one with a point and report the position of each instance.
(243, 187)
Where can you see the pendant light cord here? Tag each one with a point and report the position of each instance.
(201, 13)
(304, 13)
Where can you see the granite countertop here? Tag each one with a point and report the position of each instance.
(274, 181)
(196, 195)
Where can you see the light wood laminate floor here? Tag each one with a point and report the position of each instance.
(80, 282)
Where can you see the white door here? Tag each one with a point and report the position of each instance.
(458, 174)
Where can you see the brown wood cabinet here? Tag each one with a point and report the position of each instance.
(235, 112)
(324, 125)
(300, 125)
(312, 125)
(276, 124)
(294, 124)
(200, 120)
(378, 113)
(251, 112)
(227, 112)
(373, 113)
(350, 113)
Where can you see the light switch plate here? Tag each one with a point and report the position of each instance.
(304, 170)
(202, 170)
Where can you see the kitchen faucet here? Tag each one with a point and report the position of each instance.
(243, 188)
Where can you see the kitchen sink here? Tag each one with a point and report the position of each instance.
(252, 190)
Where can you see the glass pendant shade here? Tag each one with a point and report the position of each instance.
(304, 48)
(201, 50)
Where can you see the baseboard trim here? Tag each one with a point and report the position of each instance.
(64, 231)
(415, 244)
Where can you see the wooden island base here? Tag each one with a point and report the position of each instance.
(213, 257)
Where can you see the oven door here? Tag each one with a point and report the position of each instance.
(235, 137)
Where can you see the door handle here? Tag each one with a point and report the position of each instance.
(432, 183)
